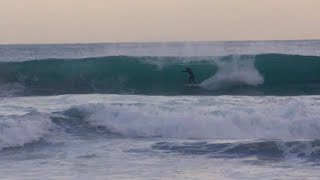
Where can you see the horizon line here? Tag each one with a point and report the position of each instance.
(150, 42)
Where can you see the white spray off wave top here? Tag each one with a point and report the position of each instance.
(234, 72)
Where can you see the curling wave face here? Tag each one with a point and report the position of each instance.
(265, 74)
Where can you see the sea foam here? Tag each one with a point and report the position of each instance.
(17, 131)
(290, 120)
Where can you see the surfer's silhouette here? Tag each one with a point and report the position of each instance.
(191, 75)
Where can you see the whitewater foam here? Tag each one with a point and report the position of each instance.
(20, 130)
(295, 120)
(235, 71)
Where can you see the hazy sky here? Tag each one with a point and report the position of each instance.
(73, 21)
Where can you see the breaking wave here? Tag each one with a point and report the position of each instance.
(16, 131)
(293, 121)
(274, 131)
(265, 74)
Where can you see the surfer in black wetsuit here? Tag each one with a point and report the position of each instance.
(191, 78)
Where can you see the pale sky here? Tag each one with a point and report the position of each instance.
(81, 21)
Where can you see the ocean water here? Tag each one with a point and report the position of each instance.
(125, 111)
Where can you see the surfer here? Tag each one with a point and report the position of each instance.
(191, 75)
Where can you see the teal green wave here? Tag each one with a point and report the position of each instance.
(277, 74)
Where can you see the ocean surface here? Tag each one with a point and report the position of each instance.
(126, 111)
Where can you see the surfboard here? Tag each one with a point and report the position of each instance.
(192, 85)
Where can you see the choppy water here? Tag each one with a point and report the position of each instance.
(122, 111)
